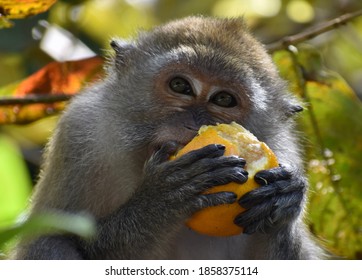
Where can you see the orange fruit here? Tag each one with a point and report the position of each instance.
(238, 141)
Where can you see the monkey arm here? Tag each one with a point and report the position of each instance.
(170, 193)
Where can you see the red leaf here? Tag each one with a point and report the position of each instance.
(61, 77)
(56, 78)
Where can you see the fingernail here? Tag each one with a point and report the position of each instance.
(242, 178)
(233, 196)
(220, 147)
(260, 180)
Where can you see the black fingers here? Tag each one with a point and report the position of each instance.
(206, 167)
(287, 205)
(265, 217)
(226, 164)
(165, 152)
(219, 177)
(214, 199)
(265, 177)
(277, 202)
(209, 151)
(260, 194)
(183, 181)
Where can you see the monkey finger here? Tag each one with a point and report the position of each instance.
(264, 218)
(211, 164)
(287, 206)
(271, 213)
(257, 219)
(165, 151)
(206, 168)
(226, 161)
(209, 151)
(258, 195)
(257, 212)
(265, 177)
(214, 199)
(295, 184)
(296, 188)
(285, 214)
(219, 177)
(261, 226)
(206, 165)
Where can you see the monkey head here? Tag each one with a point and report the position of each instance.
(192, 72)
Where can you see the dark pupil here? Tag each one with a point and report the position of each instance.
(224, 99)
(180, 85)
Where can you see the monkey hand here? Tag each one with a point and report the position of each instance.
(176, 185)
(276, 203)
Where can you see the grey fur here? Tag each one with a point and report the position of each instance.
(98, 159)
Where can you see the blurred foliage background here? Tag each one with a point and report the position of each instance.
(332, 123)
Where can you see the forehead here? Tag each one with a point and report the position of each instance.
(203, 59)
(216, 48)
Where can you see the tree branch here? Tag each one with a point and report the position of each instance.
(35, 98)
(312, 32)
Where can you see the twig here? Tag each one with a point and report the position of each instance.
(35, 98)
(312, 32)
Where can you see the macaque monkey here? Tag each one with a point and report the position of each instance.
(109, 154)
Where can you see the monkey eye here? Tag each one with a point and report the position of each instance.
(180, 85)
(224, 99)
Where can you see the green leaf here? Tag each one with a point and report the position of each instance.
(50, 223)
(333, 145)
(15, 183)
(334, 163)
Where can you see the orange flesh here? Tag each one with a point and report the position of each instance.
(219, 220)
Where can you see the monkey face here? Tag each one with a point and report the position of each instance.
(194, 96)
(196, 72)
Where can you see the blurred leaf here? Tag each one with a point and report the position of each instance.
(61, 77)
(4, 23)
(32, 135)
(285, 65)
(50, 223)
(55, 79)
(335, 177)
(15, 183)
(128, 16)
(24, 8)
(333, 128)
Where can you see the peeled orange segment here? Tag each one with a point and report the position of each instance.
(238, 141)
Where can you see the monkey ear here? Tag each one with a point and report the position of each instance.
(123, 50)
(119, 45)
(293, 109)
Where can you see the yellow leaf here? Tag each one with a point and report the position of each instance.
(15, 9)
